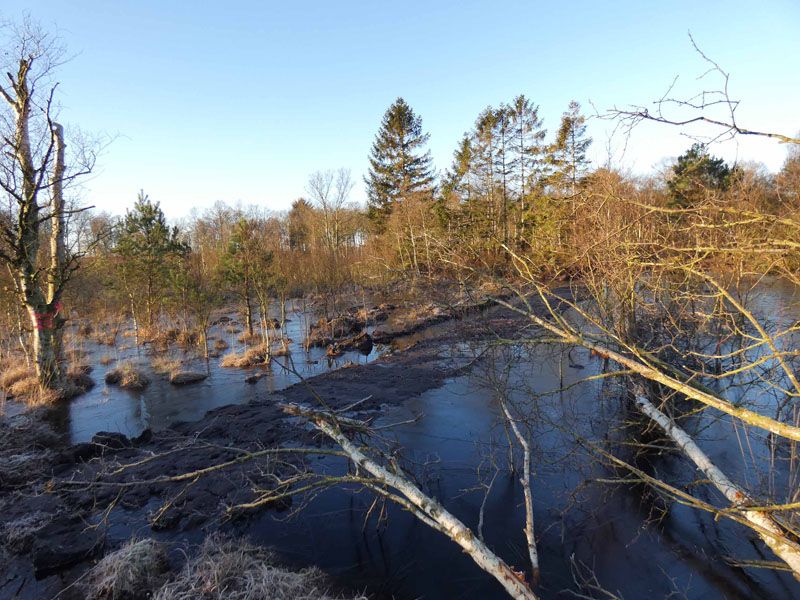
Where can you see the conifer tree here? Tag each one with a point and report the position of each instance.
(527, 152)
(696, 174)
(568, 154)
(148, 248)
(399, 164)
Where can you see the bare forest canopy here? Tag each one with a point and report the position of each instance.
(660, 267)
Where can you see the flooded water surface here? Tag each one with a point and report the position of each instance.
(594, 531)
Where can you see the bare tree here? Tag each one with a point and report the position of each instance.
(34, 173)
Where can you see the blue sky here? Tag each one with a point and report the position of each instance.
(240, 100)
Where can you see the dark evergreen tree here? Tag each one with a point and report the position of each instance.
(399, 164)
(695, 175)
(148, 248)
(568, 153)
(527, 164)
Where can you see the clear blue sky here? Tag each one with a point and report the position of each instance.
(240, 100)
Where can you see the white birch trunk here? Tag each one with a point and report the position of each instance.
(430, 510)
(764, 525)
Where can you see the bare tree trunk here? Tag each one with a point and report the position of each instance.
(248, 309)
(763, 524)
(425, 508)
(525, 480)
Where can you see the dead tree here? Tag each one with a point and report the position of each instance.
(34, 174)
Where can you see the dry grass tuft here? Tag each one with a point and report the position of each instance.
(12, 375)
(228, 570)
(247, 337)
(78, 380)
(43, 396)
(24, 388)
(188, 339)
(20, 533)
(134, 571)
(257, 355)
(162, 364)
(231, 359)
(127, 376)
(220, 344)
(106, 359)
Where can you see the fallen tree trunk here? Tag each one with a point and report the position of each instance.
(764, 525)
(424, 507)
(640, 366)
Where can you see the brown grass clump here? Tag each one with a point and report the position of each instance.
(24, 388)
(228, 570)
(12, 375)
(106, 359)
(78, 380)
(162, 364)
(188, 339)
(231, 359)
(257, 355)
(21, 383)
(220, 344)
(127, 376)
(247, 337)
(134, 571)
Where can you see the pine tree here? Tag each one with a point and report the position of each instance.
(147, 247)
(695, 175)
(399, 165)
(568, 154)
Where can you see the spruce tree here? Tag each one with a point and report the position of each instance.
(568, 154)
(399, 164)
(526, 154)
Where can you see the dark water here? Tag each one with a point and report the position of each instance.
(621, 538)
(109, 408)
(584, 529)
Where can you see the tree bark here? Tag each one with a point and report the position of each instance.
(426, 508)
(764, 525)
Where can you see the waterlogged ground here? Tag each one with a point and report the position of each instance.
(160, 404)
(592, 531)
(624, 537)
